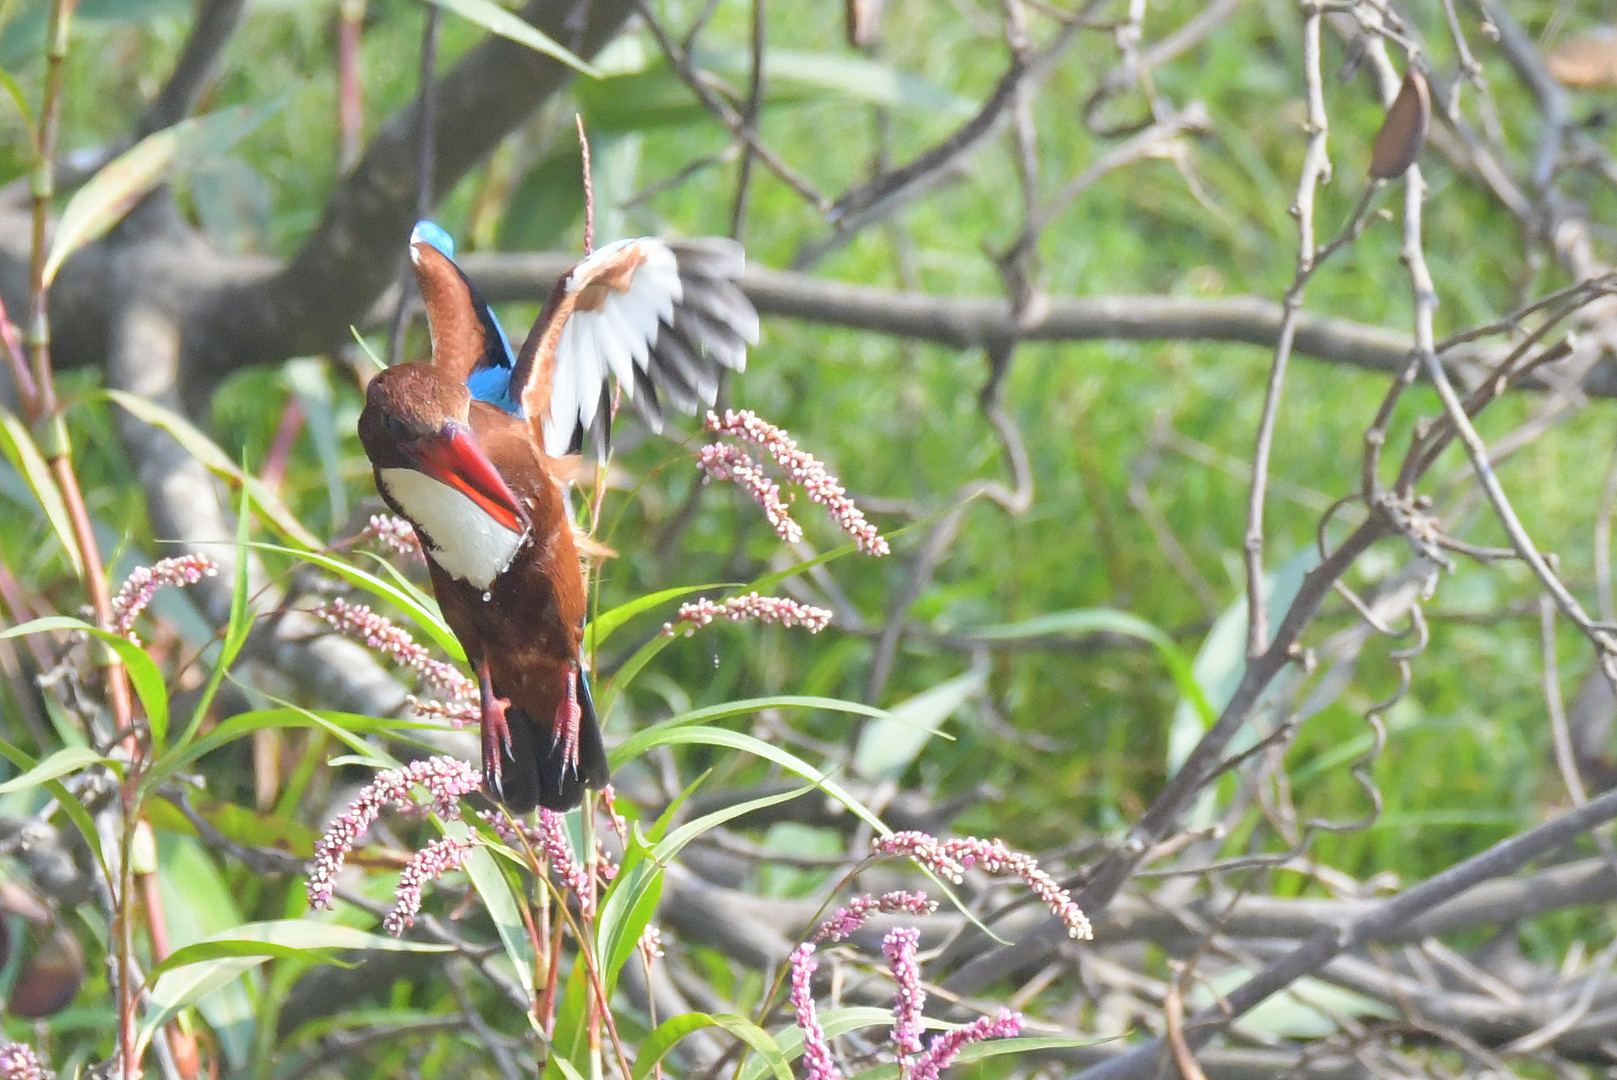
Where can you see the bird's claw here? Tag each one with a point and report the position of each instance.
(496, 729)
(569, 717)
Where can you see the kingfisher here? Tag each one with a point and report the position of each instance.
(474, 449)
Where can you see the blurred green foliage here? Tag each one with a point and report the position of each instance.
(1076, 741)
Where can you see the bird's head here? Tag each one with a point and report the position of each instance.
(417, 418)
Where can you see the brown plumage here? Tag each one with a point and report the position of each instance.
(476, 481)
(522, 628)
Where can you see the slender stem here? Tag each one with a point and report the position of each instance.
(426, 117)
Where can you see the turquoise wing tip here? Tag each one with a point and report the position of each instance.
(431, 234)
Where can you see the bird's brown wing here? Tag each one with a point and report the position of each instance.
(665, 318)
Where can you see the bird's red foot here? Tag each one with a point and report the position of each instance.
(569, 715)
(496, 730)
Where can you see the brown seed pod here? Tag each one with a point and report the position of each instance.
(50, 979)
(1403, 132)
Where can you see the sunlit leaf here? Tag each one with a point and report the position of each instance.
(124, 181)
(670, 1031)
(69, 759)
(497, 20)
(20, 448)
(208, 453)
(888, 745)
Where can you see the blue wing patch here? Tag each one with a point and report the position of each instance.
(490, 379)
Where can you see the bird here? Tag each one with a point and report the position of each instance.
(474, 448)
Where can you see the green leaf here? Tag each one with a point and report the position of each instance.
(602, 626)
(69, 759)
(670, 1031)
(208, 453)
(836, 1022)
(982, 1051)
(124, 181)
(1082, 622)
(856, 77)
(309, 379)
(220, 960)
(735, 740)
(501, 903)
(646, 738)
(628, 908)
(889, 745)
(401, 595)
(497, 20)
(20, 448)
(237, 628)
(144, 675)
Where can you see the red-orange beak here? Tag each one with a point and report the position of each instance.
(453, 457)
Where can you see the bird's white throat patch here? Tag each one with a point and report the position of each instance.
(465, 541)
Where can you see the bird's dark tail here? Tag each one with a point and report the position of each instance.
(536, 771)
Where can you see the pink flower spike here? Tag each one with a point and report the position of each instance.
(951, 859)
(143, 582)
(722, 462)
(394, 534)
(947, 1046)
(362, 624)
(446, 780)
(429, 864)
(900, 946)
(457, 714)
(766, 609)
(19, 1062)
(816, 1047)
(845, 920)
(804, 470)
(559, 850)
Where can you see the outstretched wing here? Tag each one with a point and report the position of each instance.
(468, 343)
(665, 318)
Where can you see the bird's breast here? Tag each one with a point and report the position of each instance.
(459, 535)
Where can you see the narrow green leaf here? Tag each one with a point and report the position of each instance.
(646, 738)
(601, 627)
(675, 841)
(735, 740)
(501, 903)
(69, 759)
(889, 745)
(124, 181)
(836, 1022)
(19, 446)
(672, 1030)
(237, 628)
(19, 99)
(497, 20)
(208, 453)
(852, 76)
(180, 987)
(144, 674)
(408, 600)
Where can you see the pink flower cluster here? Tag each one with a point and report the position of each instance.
(952, 858)
(722, 462)
(394, 534)
(144, 581)
(845, 920)
(378, 632)
(767, 609)
(550, 837)
(429, 864)
(900, 947)
(801, 468)
(446, 780)
(19, 1062)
